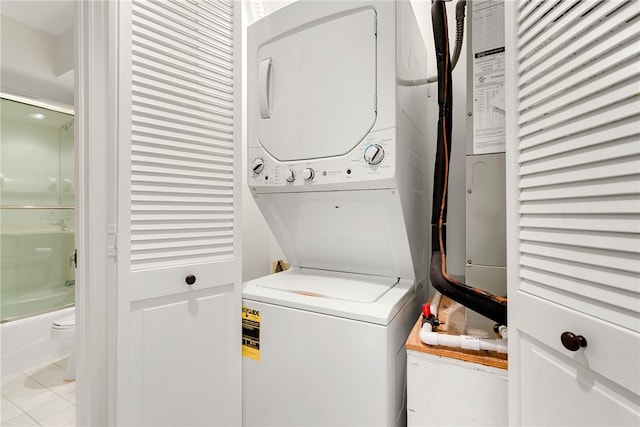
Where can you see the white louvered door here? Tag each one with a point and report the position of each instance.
(573, 197)
(179, 272)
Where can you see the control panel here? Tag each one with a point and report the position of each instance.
(373, 159)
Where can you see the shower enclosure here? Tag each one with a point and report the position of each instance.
(37, 189)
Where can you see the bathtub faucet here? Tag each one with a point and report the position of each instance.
(63, 226)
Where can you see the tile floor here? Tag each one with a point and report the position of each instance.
(39, 396)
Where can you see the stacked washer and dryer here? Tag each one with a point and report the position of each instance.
(338, 167)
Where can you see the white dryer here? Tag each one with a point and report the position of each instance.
(337, 165)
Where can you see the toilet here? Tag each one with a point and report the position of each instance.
(63, 331)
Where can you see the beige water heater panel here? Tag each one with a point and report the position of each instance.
(486, 222)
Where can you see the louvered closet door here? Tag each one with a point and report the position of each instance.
(574, 211)
(178, 213)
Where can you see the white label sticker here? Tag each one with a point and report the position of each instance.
(489, 131)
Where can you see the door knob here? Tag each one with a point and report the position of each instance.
(190, 279)
(573, 342)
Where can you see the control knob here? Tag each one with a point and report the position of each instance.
(258, 165)
(308, 174)
(373, 154)
(291, 175)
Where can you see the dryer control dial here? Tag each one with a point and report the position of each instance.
(308, 174)
(373, 154)
(290, 175)
(257, 165)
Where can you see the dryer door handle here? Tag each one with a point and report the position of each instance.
(264, 88)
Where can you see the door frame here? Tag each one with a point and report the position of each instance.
(512, 214)
(96, 149)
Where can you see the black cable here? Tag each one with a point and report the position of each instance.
(478, 300)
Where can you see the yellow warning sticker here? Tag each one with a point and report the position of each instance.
(250, 333)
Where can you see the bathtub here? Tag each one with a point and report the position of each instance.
(26, 342)
(36, 273)
(37, 288)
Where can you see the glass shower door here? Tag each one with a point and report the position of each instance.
(37, 195)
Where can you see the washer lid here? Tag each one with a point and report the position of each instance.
(338, 286)
(371, 299)
(316, 87)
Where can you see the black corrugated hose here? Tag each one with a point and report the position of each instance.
(460, 6)
(489, 305)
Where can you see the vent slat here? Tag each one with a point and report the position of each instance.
(536, 85)
(614, 223)
(195, 26)
(626, 204)
(596, 240)
(547, 159)
(578, 97)
(578, 286)
(174, 157)
(588, 123)
(175, 100)
(602, 170)
(571, 36)
(627, 185)
(545, 20)
(530, 17)
(612, 259)
(579, 272)
(182, 133)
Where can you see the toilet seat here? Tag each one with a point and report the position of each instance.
(67, 322)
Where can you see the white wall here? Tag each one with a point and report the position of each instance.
(259, 247)
(36, 64)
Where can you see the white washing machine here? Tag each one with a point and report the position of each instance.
(331, 349)
(338, 167)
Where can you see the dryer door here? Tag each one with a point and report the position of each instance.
(317, 88)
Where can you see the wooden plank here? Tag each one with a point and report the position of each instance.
(482, 357)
